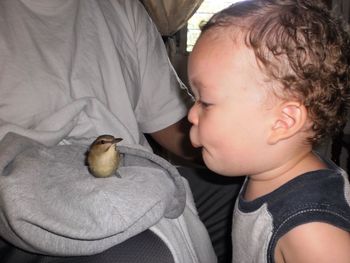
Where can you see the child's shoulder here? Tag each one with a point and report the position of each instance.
(316, 192)
(315, 221)
(318, 196)
(322, 195)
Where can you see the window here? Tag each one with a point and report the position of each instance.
(203, 14)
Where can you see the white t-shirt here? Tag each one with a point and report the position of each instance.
(78, 69)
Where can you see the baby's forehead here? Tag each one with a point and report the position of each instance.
(236, 34)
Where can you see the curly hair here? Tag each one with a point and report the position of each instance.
(305, 48)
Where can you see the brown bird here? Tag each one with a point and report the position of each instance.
(103, 156)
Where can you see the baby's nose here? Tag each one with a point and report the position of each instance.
(193, 114)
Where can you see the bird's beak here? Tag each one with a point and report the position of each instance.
(116, 140)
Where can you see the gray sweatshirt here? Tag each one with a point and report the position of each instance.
(51, 204)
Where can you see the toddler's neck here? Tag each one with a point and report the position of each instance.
(262, 184)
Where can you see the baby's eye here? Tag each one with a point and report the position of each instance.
(204, 104)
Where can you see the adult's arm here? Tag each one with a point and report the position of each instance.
(175, 139)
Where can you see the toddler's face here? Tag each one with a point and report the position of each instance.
(230, 118)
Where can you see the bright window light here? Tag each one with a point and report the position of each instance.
(203, 14)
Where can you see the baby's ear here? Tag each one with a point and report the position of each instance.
(290, 118)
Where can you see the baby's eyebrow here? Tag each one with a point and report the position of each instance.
(193, 85)
(196, 84)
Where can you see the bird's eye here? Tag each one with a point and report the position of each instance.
(102, 142)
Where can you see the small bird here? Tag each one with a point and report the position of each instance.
(103, 156)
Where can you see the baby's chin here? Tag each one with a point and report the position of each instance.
(211, 163)
(217, 166)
